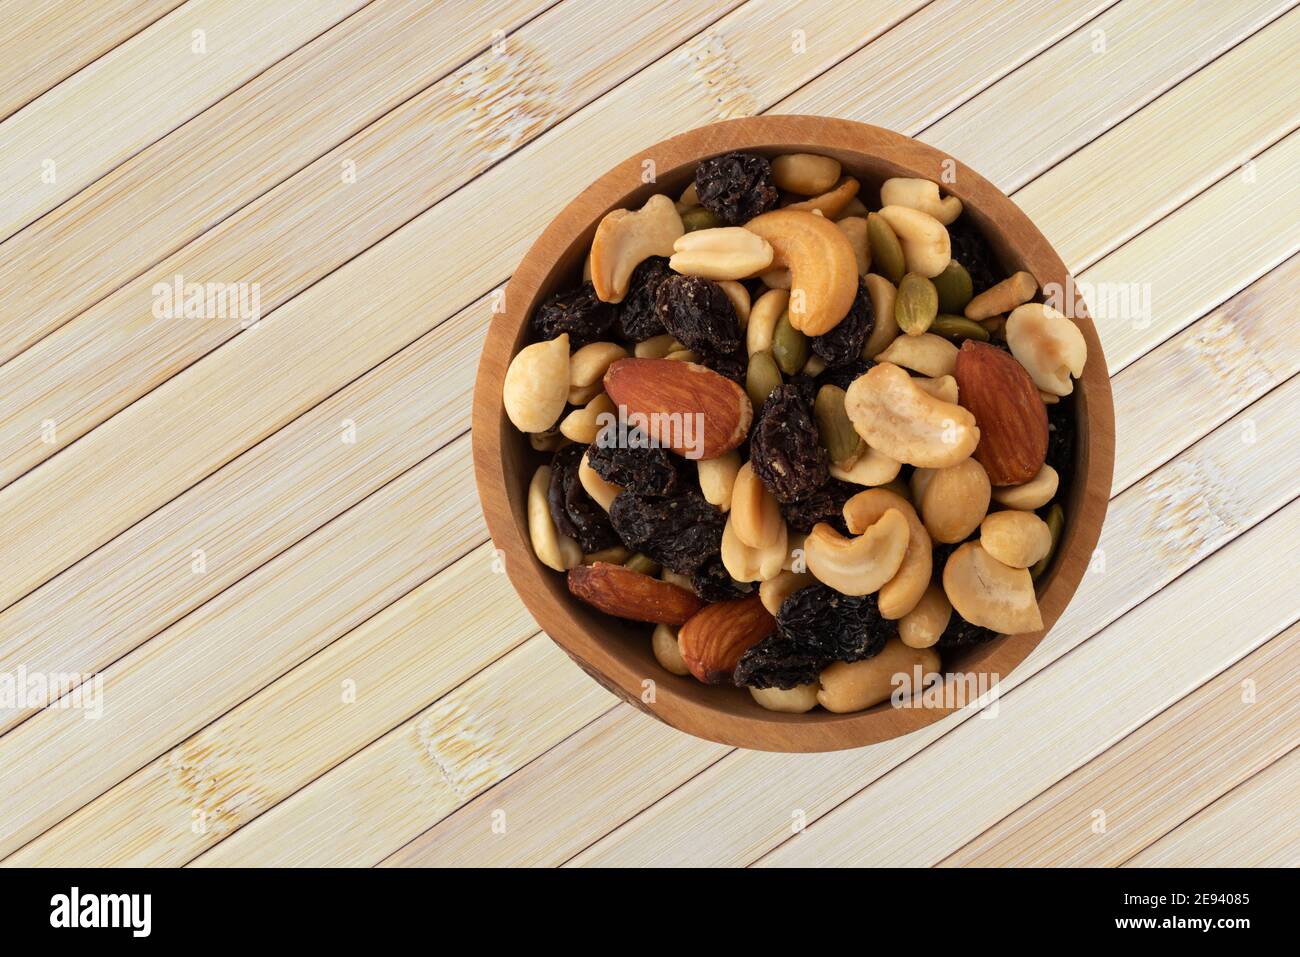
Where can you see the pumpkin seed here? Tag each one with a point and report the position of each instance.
(1055, 519)
(789, 346)
(699, 218)
(916, 304)
(954, 287)
(886, 251)
(834, 428)
(761, 378)
(957, 328)
(643, 564)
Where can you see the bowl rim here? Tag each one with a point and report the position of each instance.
(506, 521)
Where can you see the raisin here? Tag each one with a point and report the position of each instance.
(778, 662)
(839, 627)
(784, 450)
(733, 366)
(699, 315)
(805, 388)
(825, 504)
(682, 532)
(844, 375)
(712, 582)
(575, 513)
(736, 187)
(960, 633)
(638, 320)
(578, 312)
(637, 466)
(972, 250)
(843, 343)
(1060, 439)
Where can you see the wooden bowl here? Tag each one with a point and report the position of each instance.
(617, 653)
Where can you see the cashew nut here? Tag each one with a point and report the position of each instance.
(926, 247)
(990, 594)
(862, 564)
(746, 564)
(854, 229)
(537, 384)
(583, 425)
(1035, 493)
(624, 239)
(754, 511)
(831, 203)
(823, 268)
(907, 424)
(899, 595)
(920, 194)
(794, 700)
(773, 592)
(718, 477)
(872, 467)
(551, 548)
(1015, 538)
(763, 317)
(805, 173)
(944, 387)
(856, 685)
(882, 293)
(1048, 345)
(927, 354)
(1003, 297)
(588, 365)
(952, 501)
(667, 652)
(603, 492)
(727, 252)
(923, 625)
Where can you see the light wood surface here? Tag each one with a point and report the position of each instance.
(350, 680)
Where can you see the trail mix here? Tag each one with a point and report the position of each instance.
(812, 444)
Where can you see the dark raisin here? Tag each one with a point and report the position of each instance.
(839, 627)
(805, 387)
(682, 532)
(825, 504)
(732, 366)
(636, 465)
(778, 662)
(972, 250)
(960, 633)
(575, 513)
(712, 582)
(1060, 439)
(736, 187)
(577, 312)
(843, 344)
(784, 450)
(844, 375)
(699, 315)
(638, 320)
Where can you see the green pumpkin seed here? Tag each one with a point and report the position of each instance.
(643, 564)
(886, 251)
(958, 328)
(761, 378)
(834, 428)
(698, 217)
(916, 304)
(1055, 519)
(789, 346)
(954, 287)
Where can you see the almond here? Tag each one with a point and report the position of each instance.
(715, 637)
(683, 406)
(624, 593)
(1011, 416)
